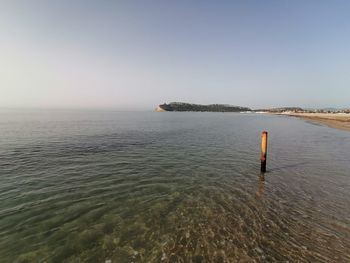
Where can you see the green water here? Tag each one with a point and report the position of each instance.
(98, 186)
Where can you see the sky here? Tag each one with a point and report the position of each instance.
(134, 55)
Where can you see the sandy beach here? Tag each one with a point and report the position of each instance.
(334, 120)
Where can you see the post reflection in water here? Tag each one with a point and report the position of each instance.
(261, 185)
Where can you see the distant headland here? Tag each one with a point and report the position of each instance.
(182, 106)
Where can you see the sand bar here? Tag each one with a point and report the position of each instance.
(334, 120)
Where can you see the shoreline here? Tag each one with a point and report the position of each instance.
(340, 121)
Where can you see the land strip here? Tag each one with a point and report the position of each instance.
(334, 120)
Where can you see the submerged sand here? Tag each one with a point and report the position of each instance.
(334, 120)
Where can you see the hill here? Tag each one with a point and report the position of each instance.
(181, 106)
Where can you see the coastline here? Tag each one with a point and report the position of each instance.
(339, 121)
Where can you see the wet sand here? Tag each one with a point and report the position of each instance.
(334, 120)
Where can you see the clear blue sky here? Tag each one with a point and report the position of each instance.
(137, 54)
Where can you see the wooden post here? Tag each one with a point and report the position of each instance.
(263, 151)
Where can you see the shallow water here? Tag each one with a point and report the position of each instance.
(91, 186)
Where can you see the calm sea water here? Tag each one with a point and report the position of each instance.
(97, 186)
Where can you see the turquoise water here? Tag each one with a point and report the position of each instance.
(104, 186)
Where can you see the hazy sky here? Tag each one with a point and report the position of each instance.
(137, 54)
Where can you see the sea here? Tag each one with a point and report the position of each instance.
(114, 187)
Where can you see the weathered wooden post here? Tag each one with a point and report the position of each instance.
(263, 151)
